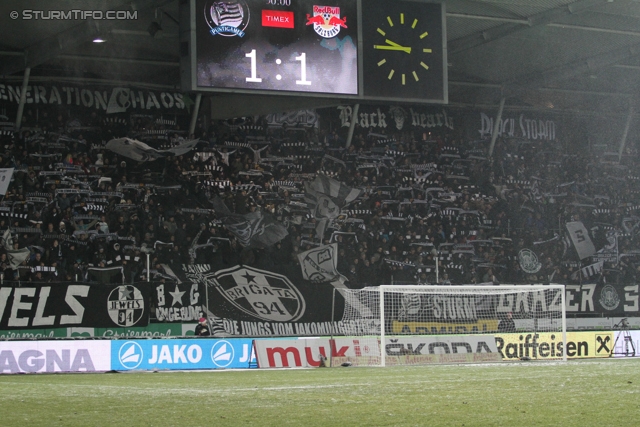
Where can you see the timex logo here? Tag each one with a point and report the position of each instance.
(277, 18)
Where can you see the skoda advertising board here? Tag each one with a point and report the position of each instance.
(181, 354)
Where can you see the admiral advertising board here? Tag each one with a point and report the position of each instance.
(181, 354)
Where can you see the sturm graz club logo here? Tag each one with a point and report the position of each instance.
(529, 261)
(125, 305)
(260, 293)
(609, 298)
(227, 18)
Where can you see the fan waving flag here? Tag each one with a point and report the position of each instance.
(320, 264)
(254, 229)
(142, 152)
(580, 238)
(14, 256)
(326, 197)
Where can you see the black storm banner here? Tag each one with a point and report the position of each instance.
(73, 305)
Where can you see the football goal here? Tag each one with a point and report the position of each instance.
(423, 324)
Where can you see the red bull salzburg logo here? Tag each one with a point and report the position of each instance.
(326, 21)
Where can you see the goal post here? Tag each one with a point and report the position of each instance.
(422, 324)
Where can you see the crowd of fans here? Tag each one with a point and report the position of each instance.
(85, 212)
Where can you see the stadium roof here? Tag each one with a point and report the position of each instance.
(576, 56)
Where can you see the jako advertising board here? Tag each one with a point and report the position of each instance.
(181, 354)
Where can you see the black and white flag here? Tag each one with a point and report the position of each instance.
(326, 197)
(580, 238)
(142, 152)
(255, 229)
(5, 179)
(14, 256)
(320, 264)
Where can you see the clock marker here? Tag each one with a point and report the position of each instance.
(427, 50)
(382, 32)
(403, 80)
(402, 18)
(423, 35)
(391, 73)
(415, 22)
(384, 61)
(415, 76)
(390, 21)
(425, 66)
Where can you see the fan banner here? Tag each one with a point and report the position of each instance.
(474, 312)
(178, 302)
(251, 301)
(73, 305)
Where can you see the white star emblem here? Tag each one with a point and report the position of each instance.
(177, 296)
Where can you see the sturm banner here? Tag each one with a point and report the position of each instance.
(523, 126)
(73, 305)
(99, 98)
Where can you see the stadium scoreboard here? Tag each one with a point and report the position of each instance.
(344, 49)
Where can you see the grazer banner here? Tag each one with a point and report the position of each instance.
(480, 313)
(54, 356)
(73, 305)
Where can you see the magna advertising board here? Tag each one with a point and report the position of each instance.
(54, 356)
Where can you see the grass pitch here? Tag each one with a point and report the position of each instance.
(577, 393)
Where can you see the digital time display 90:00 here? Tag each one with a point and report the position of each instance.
(277, 45)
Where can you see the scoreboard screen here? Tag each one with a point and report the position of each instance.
(346, 49)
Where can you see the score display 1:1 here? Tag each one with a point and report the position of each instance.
(254, 69)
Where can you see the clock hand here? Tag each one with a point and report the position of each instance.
(392, 47)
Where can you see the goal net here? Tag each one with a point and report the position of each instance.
(423, 324)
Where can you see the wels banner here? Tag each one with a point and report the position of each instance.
(69, 305)
(182, 354)
(54, 356)
(177, 302)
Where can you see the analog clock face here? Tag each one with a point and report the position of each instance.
(404, 52)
